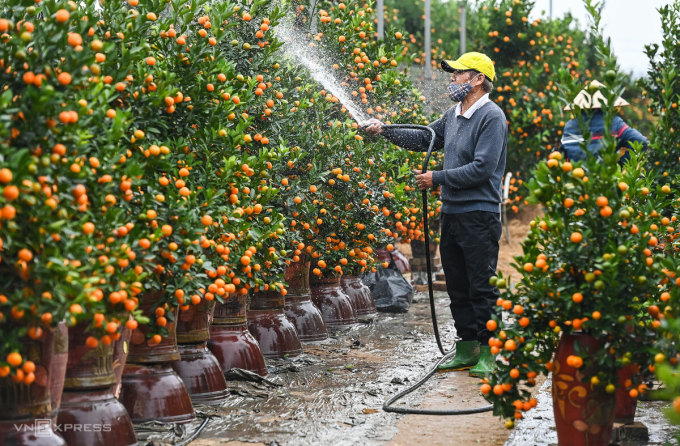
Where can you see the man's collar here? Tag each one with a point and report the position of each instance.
(473, 108)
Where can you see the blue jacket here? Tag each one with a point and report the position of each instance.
(572, 138)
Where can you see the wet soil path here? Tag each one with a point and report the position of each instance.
(333, 393)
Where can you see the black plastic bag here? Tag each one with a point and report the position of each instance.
(391, 292)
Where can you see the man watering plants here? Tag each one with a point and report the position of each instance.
(473, 134)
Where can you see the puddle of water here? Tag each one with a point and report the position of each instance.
(650, 413)
(538, 425)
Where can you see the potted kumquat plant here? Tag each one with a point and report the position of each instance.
(583, 308)
(60, 261)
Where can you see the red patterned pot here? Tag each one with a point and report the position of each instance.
(230, 341)
(198, 368)
(269, 325)
(90, 413)
(625, 404)
(26, 410)
(583, 415)
(299, 308)
(336, 307)
(359, 294)
(150, 388)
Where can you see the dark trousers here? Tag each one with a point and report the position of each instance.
(469, 253)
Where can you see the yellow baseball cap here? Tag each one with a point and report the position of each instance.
(471, 61)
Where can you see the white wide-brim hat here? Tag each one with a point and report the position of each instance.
(584, 99)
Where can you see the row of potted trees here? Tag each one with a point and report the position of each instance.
(156, 181)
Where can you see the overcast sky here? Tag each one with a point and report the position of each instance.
(631, 24)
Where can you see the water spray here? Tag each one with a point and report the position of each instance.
(296, 47)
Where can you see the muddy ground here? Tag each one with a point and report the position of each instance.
(334, 392)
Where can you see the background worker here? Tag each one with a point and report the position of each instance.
(591, 108)
(474, 135)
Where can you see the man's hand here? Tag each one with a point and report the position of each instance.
(423, 180)
(373, 127)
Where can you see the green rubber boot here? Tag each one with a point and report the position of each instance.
(486, 365)
(467, 355)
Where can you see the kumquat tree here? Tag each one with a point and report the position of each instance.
(338, 190)
(61, 259)
(661, 88)
(368, 69)
(665, 351)
(176, 198)
(407, 15)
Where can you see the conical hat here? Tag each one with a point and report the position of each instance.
(586, 100)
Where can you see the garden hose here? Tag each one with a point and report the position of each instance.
(196, 433)
(387, 406)
(426, 228)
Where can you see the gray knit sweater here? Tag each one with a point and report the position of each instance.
(474, 157)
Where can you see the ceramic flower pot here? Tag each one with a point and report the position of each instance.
(359, 295)
(94, 417)
(155, 392)
(625, 404)
(336, 307)
(26, 409)
(88, 368)
(230, 341)
(142, 350)
(299, 308)
(193, 323)
(201, 374)
(150, 388)
(90, 413)
(197, 367)
(268, 323)
(584, 415)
